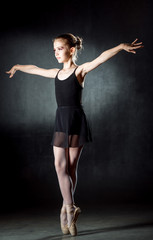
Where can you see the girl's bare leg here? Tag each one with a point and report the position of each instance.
(66, 163)
(61, 166)
(73, 156)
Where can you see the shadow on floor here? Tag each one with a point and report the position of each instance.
(99, 230)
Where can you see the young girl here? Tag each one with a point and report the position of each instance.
(71, 128)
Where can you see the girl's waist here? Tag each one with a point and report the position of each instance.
(73, 106)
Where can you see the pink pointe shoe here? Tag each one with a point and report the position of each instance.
(63, 220)
(72, 216)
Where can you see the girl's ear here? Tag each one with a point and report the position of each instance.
(72, 50)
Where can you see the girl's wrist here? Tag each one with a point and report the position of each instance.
(122, 45)
(17, 67)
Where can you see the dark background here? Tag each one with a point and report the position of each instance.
(118, 165)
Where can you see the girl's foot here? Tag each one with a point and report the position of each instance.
(63, 220)
(72, 216)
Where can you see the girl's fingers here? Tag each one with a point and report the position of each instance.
(138, 43)
(136, 47)
(11, 74)
(134, 41)
(132, 51)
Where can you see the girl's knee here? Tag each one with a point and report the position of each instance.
(60, 166)
(60, 160)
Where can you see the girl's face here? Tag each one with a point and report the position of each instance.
(62, 50)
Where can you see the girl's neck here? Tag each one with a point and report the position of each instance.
(68, 65)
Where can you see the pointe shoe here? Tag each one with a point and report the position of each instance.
(64, 227)
(74, 212)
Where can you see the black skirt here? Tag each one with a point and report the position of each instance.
(71, 127)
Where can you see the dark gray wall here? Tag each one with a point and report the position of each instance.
(118, 165)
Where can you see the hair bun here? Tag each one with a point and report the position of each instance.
(79, 42)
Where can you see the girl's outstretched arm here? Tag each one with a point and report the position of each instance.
(32, 69)
(129, 47)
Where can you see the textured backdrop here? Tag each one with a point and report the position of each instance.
(118, 165)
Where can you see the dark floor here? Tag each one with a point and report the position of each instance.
(106, 222)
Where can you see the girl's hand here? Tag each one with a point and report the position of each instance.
(130, 47)
(12, 71)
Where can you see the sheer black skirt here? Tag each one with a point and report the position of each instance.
(71, 127)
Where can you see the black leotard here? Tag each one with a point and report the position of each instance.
(71, 126)
(68, 92)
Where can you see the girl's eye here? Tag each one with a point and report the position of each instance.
(60, 48)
